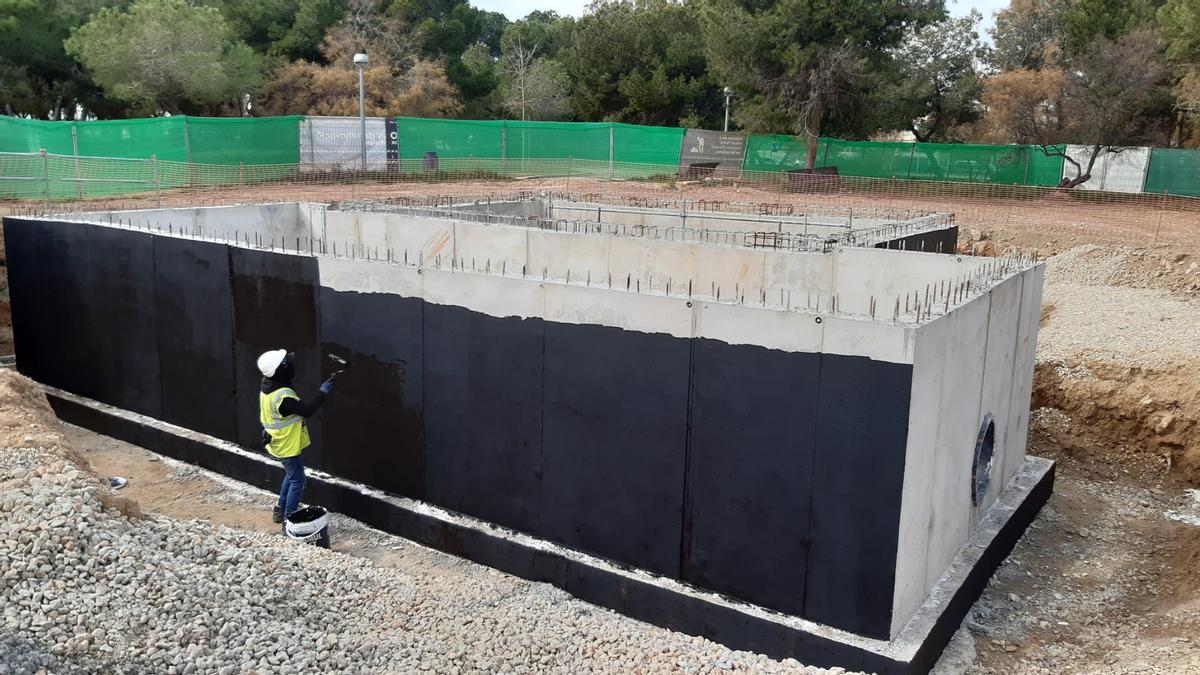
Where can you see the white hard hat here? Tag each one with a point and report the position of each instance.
(269, 361)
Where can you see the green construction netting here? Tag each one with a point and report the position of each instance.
(450, 139)
(775, 153)
(653, 149)
(1004, 164)
(918, 161)
(578, 148)
(219, 150)
(136, 139)
(1173, 171)
(248, 140)
(22, 135)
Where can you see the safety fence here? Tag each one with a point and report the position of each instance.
(604, 150)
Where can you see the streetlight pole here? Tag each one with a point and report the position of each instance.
(728, 94)
(360, 61)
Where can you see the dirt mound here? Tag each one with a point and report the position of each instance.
(1127, 418)
(26, 419)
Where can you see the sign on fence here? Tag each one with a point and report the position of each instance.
(336, 142)
(711, 153)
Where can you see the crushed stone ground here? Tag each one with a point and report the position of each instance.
(88, 589)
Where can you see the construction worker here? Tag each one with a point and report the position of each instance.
(285, 433)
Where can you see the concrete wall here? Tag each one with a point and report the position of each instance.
(792, 279)
(281, 221)
(463, 367)
(588, 405)
(973, 362)
(1123, 171)
(525, 208)
(730, 222)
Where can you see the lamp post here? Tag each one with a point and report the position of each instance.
(360, 61)
(728, 94)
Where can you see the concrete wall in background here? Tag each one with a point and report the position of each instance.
(1123, 171)
(820, 225)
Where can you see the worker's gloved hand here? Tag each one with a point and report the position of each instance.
(327, 386)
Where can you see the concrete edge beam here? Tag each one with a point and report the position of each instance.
(639, 595)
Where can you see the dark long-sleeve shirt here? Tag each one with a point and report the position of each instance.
(292, 406)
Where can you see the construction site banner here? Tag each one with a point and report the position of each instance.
(1003, 164)
(1123, 171)
(336, 143)
(715, 153)
(1175, 172)
(1008, 164)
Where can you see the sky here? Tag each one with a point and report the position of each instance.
(516, 9)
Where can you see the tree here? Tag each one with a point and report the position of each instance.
(478, 80)
(546, 29)
(639, 62)
(1086, 20)
(1116, 98)
(1025, 32)
(164, 55)
(800, 65)
(37, 76)
(1110, 97)
(397, 81)
(307, 88)
(533, 88)
(1025, 106)
(1179, 23)
(289, 29)
(938, 85)
(366, 28)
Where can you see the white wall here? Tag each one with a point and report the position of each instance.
(974, 361)
(1123, 171)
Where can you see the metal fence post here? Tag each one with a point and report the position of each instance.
(45, 181)
(503, 149)
(157, 191)
(610, 151)
(187, 150)
(75, 151)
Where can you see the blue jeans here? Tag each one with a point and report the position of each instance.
(292, 490)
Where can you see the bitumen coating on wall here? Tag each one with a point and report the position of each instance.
(759, 450)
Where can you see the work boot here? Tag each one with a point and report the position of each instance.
(277, 514)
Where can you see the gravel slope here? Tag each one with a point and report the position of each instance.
(86, 588)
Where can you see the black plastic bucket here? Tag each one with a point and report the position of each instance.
(309, 525)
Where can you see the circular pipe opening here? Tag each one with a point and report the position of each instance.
(981, 466)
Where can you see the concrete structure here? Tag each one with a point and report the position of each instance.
(836, 434)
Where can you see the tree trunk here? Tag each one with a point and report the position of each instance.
(1082, 175)
(814, 137)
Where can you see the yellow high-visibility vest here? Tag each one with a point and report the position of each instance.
(289, 435)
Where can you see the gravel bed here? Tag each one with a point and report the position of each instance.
(87, 589)
(1088, 318)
